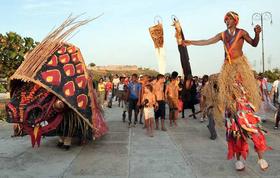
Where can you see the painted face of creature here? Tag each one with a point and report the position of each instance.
(36, 110)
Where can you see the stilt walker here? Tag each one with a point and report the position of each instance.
(239, 97)
(188, 93)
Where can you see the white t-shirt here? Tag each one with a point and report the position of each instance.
(115, 82)
(275, 85)
(121, 87)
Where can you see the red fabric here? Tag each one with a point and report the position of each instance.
(232, 14)
(245, 119)
(180, 105)
(260, 142)
(108, 86)
(239, 146)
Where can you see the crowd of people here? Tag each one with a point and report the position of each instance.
(146, 97)
(233, 98)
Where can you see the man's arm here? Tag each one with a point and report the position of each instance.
(212, 40)
(140, 93)
(166, 91)
(127, 92)
(254, 42)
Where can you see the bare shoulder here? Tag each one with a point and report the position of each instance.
(244, 32)
(219, 36)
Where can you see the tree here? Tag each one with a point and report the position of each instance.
(12, 50)
(271, 75)
(92, 64)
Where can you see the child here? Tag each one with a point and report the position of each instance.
(172, 96)
(149, 103)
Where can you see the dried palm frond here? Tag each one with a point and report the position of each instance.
(36, 58)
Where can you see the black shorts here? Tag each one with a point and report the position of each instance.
(132, 104)
(160, 112)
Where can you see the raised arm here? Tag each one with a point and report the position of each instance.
(212, 40)
(254, 42)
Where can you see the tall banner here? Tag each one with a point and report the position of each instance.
(156, 33)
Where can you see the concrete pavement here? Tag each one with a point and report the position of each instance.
(185, 151)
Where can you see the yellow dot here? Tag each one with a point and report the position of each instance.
(80, 104)
(67, 92)
(49, 79)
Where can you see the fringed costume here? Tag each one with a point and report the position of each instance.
(239, 98)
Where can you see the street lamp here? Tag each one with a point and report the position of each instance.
(261, 17)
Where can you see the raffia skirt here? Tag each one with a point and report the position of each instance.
(239, 69)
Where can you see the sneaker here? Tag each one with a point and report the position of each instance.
(263, 164)
(134, 125)
(239, 166)
(164, 129)
(275, 128)
(202, 119)
(213, 137)
(206, 118)
(66, 147)
(129, 125)
(59, 144)
(123, 116)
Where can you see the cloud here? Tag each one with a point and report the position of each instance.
(47, 7)
(43, 4)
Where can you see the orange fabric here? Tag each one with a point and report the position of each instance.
(228, 47)
(232, 14)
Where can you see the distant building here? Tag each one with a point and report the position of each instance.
(115, 68)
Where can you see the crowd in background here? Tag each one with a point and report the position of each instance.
(147, 96)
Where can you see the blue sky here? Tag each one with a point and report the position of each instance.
(121, 35)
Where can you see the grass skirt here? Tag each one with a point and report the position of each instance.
(238, 70)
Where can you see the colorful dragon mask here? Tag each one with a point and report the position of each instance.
(52, 87)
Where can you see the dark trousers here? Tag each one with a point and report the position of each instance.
(277, 116)
(184, 58)
(132, 105)
(211, 126)
(193, 111)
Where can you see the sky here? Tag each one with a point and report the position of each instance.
(121, 36)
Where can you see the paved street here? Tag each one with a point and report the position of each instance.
(185, 151)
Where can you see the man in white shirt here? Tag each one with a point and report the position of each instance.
(276, 88)
(275, 93)
(116, 81)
